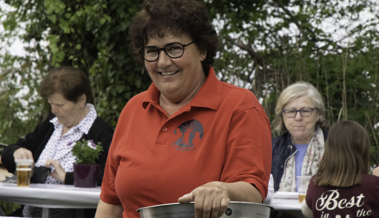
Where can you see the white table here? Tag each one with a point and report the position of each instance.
(51, 196)
(67, 196)
(288, 202)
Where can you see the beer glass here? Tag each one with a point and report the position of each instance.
(24, 171)
(302, 186)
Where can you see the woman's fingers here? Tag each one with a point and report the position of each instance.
(210, 200)
(22, 153)
(59, 173)
(224, 205)
(186, 198)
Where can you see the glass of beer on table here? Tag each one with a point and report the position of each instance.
(302, 186)
(24, 171)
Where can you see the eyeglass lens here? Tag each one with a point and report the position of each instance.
(303, 112)
(173, 50)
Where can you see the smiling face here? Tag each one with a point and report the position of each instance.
(179, 79)
(68, 113)
(301, 128)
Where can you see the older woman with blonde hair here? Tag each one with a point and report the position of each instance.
(300, 119)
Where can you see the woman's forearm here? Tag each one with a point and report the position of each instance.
(243, 191)
(105, 210)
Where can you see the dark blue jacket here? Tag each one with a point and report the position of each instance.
(282, 149)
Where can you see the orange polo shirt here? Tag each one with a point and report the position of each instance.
(223, 134)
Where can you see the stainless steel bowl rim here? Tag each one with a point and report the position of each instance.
(231, 202)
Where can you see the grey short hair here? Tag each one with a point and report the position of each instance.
(292, 92)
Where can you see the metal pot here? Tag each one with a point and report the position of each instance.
(234, 210)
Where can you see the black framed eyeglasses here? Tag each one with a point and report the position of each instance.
(305, 112)
(173, 50)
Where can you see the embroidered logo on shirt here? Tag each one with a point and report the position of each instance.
(190, 133)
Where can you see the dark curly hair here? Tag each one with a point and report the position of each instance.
(179, 17)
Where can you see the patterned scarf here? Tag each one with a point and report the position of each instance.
(311, 161)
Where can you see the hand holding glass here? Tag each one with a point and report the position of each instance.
(24, 171)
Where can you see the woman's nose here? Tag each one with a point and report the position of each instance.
(163, 60)
(53, 109)
(298, 116)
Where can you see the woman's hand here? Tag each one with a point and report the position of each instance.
(22, 153)
(58, 172)
(211, 200)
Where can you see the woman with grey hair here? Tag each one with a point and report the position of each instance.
(301, 121)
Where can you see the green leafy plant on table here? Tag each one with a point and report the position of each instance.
(86, 152)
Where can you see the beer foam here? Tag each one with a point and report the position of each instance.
(23, 169)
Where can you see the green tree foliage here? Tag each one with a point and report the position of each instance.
(91, 35)
(268, 45)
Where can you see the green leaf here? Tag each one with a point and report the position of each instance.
(53, 18)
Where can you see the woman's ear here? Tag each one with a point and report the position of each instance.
(83, 99)
(203, 55)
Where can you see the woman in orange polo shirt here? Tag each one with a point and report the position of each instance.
(189, 137)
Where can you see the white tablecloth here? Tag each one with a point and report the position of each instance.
(286, 201)
(51, 195)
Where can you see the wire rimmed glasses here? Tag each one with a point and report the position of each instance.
(304, 112)
(173, 50)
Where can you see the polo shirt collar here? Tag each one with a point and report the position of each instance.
(209, 95)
